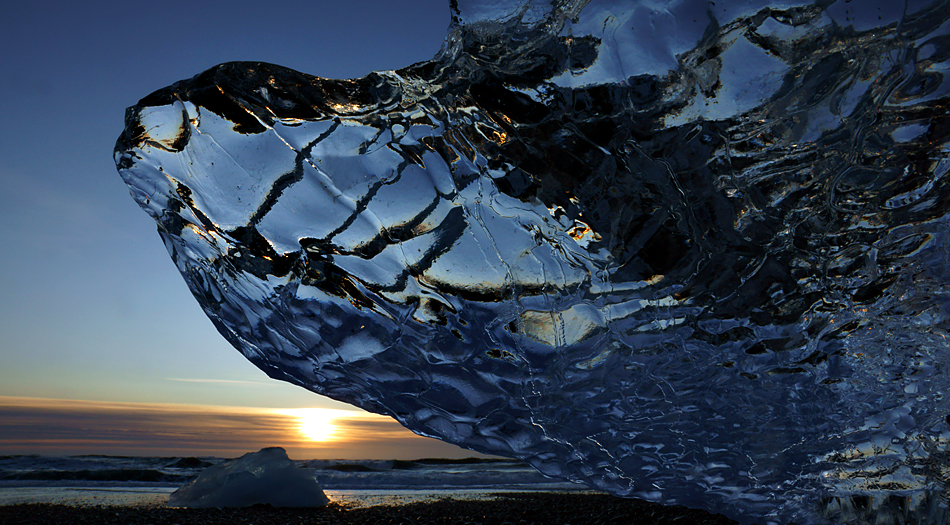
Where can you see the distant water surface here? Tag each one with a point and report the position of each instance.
(110, 480)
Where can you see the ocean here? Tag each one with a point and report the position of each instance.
(115, 480)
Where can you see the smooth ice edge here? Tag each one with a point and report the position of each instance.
(743, 307)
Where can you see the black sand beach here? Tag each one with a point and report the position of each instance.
(509, 508)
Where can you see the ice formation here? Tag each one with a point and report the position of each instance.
(267, 476)
(694, 252)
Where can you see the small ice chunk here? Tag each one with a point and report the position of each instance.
(267, 476)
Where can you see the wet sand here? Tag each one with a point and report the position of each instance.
(508, 508)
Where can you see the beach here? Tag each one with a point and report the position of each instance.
(515, 508)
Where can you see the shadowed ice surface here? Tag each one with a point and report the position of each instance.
(694, 252)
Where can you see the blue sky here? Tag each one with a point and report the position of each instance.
(92, 306)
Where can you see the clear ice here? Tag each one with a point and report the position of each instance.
(694, 252)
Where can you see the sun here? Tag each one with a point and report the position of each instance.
(314, 424)
(317, 426)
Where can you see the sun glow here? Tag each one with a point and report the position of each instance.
(315, 424)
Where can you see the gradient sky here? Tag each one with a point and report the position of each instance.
(93, 308)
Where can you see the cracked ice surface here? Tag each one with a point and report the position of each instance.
(694, 252)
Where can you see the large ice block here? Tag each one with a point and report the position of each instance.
(265, 477)
(694, 252)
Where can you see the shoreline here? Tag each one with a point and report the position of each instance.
(143, 496)
(515, 508)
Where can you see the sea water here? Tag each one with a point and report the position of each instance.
(113, 480)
